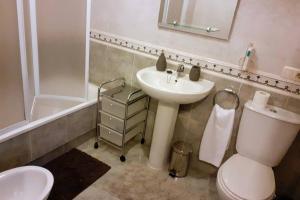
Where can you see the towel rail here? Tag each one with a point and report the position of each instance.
(231, 92)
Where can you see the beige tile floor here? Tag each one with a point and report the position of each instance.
(134, 180)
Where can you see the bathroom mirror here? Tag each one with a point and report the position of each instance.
(212, 18)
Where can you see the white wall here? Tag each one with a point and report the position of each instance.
(272, 25)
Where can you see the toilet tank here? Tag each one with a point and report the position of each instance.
(265, 134)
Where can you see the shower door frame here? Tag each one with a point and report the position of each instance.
(23, 61)
(24, 69)
(23, 55)
(35, 54)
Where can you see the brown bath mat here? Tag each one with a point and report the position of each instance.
(73, 172)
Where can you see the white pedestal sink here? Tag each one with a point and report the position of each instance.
(170, 91)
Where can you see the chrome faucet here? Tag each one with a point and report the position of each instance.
(179, 70)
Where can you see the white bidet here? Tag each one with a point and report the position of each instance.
(26, 183)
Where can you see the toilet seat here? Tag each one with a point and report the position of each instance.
(242, 178)
(222, 186)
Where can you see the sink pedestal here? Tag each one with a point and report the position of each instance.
(162, 134)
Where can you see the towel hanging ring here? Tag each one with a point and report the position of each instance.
(231, 92)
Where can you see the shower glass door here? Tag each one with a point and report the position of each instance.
(12, 106)
(61, 27)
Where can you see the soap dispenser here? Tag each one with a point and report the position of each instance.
(161, 63)
(195, 73)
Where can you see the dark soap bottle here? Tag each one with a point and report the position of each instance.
(161, 63)
(195, 73)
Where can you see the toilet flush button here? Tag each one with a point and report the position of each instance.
(273, 110)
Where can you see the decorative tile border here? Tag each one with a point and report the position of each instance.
(222, 69)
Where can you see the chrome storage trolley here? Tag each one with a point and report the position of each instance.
(121, 114)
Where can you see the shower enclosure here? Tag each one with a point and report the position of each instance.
(44, 58)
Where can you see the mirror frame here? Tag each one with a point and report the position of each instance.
(197, 31)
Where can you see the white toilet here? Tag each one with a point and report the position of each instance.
(264, 136)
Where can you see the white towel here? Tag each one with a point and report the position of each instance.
(217, 134)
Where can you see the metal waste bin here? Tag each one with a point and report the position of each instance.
(180, 159)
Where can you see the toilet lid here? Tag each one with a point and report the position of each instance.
(248, 179)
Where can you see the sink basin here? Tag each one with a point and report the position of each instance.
(171, 91)
(164, 87)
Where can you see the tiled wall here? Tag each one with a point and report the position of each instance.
(38, 142)
(207, 65)
(271, 25)
(108, 62)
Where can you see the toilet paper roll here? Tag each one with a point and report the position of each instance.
(261, 99)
